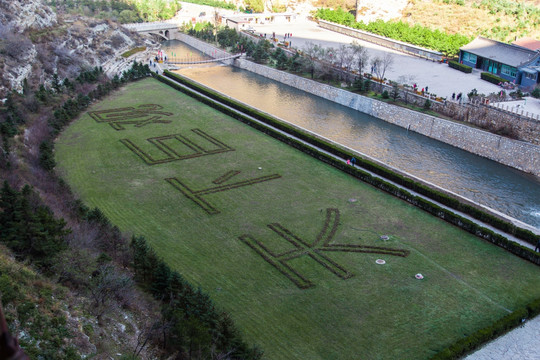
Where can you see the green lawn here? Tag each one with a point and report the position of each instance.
(229, 194)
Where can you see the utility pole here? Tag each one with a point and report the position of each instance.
(358, 7)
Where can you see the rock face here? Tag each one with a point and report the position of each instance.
(25, 14)
(35, 44)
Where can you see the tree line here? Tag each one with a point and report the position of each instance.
(92, 250)
(349, 63)
(124, 11)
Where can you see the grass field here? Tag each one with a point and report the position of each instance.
(279, 239)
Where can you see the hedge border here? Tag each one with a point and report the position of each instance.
(494, 79)
(382, 171)
(500, 327)
(133, 51)
(463, 68)
(461, 346)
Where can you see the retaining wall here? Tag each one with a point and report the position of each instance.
(383, 41)
(517, 154)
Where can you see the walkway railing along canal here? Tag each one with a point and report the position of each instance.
(200, 60)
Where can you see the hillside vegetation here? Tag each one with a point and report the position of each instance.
(502, 20)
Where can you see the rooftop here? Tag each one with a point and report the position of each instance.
(503, 53)
(528, 43)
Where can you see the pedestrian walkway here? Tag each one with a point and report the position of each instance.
(519, 344)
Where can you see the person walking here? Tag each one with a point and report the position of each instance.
(537, 248)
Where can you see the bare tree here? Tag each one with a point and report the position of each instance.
(106, 285)
(381, 65)
(217, 22)
(405, 80)
(311, 55)
(360, 56)
(329, 54)
(147, 332)
(344, 60)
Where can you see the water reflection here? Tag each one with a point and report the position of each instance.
(484, 181)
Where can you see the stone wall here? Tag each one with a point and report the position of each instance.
(383, 41)
(488, 117)
(203, 47)
(517, 154)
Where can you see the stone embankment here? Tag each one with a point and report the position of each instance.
(517, 154)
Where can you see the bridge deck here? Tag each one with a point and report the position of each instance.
(189, 62)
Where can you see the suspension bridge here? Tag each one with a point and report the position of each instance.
(190, 61)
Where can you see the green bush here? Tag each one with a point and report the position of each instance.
(46, 155)
(536, 93)
(460, 67)
(385, 94)
(494, 79)
(382, 171)
(214, 3)
(7, 292)
(133, 51)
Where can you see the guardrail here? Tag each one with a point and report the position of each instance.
(150, 26)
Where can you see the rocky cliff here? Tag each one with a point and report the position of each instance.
(36, 43)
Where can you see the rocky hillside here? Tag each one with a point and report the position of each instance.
(36, 43)
(57, 317)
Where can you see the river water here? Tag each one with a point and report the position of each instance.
(499, 187)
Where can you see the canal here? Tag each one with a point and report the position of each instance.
(484, 181)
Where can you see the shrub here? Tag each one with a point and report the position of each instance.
(367, 85)
(133, 51)
(463, 68)
(385, 94)
(427, 104)
(214, 3)
(536, 93)
(518, 94)
(46, 155)
(500, 327)
(494, 79)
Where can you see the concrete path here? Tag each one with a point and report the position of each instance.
(522, 343)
